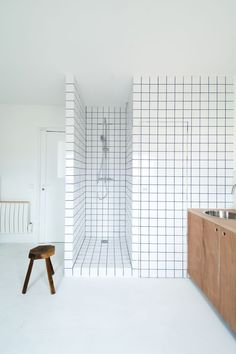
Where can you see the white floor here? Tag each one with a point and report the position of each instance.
(107, 316)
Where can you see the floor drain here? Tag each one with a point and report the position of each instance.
(104, 241)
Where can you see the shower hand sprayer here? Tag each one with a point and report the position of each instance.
(103, 172)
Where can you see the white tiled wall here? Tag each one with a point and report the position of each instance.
(74, 174)
(105, 218)
(105, 250)
(182, 157)
(128, 169)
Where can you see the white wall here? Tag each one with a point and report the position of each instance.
(105, 42)
(19, 150)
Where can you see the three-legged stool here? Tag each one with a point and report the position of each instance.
(41, 252)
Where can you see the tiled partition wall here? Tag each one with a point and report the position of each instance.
(128, 171)
(74, 174)
(182, 157)
(105, 250)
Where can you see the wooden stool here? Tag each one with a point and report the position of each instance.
(41, 252)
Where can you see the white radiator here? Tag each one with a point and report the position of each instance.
(14, 217)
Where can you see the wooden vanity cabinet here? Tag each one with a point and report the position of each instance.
(212, 264)
(211, 261)
(195, 254)
(227, 296)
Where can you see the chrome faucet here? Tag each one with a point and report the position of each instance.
(233, 189)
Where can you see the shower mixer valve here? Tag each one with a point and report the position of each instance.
(105, 179)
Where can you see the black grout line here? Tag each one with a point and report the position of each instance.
(149, 152)
(166, 235)
(225, 144)
(108, 194)
(217, 202)
(174, 167)
(96, 237)
(140, 191)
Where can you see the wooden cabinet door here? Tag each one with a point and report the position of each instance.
(195, 232)
(228, 277)
(211, 262)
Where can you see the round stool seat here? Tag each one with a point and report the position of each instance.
(42, 252)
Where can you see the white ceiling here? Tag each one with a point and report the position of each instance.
(105, 42)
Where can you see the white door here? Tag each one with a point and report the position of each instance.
(52, 186)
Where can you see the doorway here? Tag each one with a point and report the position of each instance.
(52, 185)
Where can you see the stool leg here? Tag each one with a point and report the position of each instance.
(50, 280)
(52, 270)
(27, 276)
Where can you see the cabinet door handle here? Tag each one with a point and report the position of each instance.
(223, 233)
(216, 229)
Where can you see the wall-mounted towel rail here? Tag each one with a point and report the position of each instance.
(15, 217)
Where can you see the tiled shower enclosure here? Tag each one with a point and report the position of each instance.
(105, 250)
(132, 172)
(98, 234)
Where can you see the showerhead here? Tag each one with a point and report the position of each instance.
(103, 139)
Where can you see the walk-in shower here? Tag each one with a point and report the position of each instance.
(103, 244)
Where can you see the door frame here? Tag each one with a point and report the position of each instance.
(42, 179)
